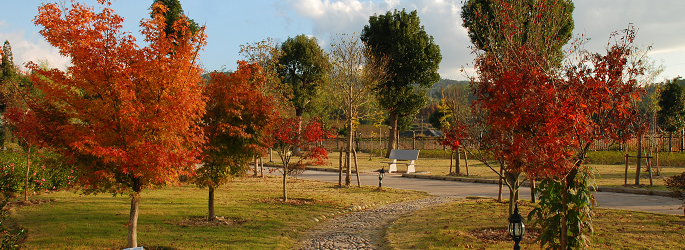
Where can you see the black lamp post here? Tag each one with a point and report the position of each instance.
(381, 174)
(516, 228)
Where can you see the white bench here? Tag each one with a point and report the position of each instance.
(402, 155)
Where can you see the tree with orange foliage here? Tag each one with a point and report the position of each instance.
(126, 116)
(237, 121)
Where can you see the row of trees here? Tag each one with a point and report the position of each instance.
(130, 117)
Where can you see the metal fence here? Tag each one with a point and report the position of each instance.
(653, 143)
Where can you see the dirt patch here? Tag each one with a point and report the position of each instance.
(291, 201)
(21, 203)
(493, 235)
(203, 222)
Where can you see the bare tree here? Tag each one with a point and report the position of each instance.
(355, 74)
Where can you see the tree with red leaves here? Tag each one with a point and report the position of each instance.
(541, 116)
(286, 137)
(126, 116)
(236, 125)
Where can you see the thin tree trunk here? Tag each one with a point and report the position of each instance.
(285, 175)
(261, 167)
(356, 168)
(28, 167)
(210, 205)
(133, 221)
(458, 163)
(499, 194)
(350, 148)
(392, 138)
(340, 168)
(638, 169)
(466, 162)
(451, 161)
(255, 167)
(512, 183)
(532, 190)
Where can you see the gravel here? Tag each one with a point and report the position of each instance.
(361, 227)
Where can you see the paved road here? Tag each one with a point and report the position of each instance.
(634, 202)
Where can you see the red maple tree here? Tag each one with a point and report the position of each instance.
(126, 116)
(239, 116)
(286, 137)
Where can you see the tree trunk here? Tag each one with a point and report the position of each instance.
(670, 138)
(682, 140)
(499, 194)
(28, 167)
(298, 114)
(466, 163)
(285, 175)
(261, 167)
(532, 190)
(356, 168)
(350, 148)
(568, 184)
(340, 168)
(210, 205)
(458, 163)
(255, 167)
(451, 161)
(133, 220)
(638, 169)
(512, 183)
(392, 138)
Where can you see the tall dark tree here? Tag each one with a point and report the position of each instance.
(304, 67)
(7, 74)
(672, 109)
(480, 19)
(175, 12)
(413, 64)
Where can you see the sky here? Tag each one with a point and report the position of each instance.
(231, 23)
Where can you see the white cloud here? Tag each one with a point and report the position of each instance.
(441, 19)
(659, 22)
(26, 48)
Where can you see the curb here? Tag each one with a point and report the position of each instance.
(671, 194)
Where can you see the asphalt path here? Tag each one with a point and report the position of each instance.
(633, 202)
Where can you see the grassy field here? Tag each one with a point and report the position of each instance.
(607, 175)
(258, 218)
(480, 224)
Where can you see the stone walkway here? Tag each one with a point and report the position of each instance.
(362, 228)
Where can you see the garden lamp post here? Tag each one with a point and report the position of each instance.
(381, 174)
(516, 228)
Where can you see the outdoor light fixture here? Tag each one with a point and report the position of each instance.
(516, 228)
(381, 174)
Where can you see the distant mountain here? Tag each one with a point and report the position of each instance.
(434, 92)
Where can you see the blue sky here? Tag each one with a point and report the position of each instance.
(231, 23)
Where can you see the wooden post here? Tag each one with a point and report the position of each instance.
(649, 168)
(625, 182)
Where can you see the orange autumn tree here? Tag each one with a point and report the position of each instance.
(127, 116)
(236, 124)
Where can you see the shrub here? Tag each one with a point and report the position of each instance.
(676, 183)
(48, 172)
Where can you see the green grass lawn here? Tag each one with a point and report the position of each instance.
(463, 225)
(260, 220)
(611, 175)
